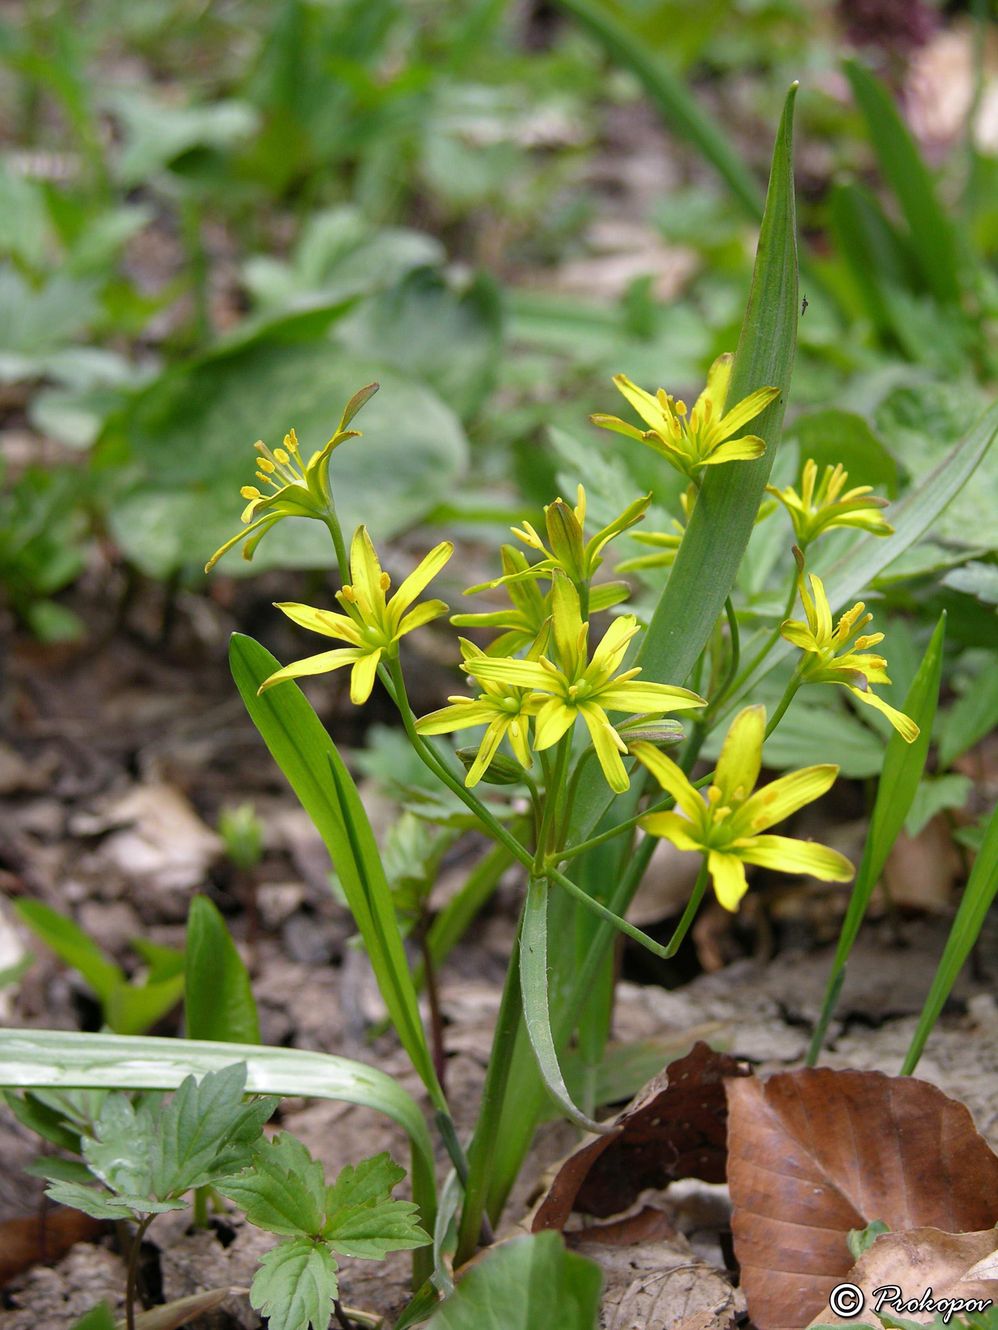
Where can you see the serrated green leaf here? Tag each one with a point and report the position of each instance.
(283, 1190)
(371, 1231)
(295, 1286)
(360, 1184)
(205, 1131)
(303, 750)
(525, 1284)
(120, 1150)
(218, 998)
(101, 1204)
(58, 1059)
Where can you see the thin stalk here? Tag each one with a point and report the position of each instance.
(597, 907)
(131, 1282)
(433, 1001)
(689, 914)
(788, 696)
(761, 654)
(332, 521)
(736, 648)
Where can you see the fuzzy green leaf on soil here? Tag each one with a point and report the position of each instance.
(295, 1286)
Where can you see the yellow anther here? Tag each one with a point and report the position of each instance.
(267, 465)
(680, 408)
(384, 581)
(282, 456)
(291, 441)
(250, 492)
(349, 594)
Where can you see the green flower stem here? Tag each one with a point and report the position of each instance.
(662, 806)
(788, 696)
(332, 521)
(554, 799)
(689, 914)
(132, 1279)
(596, 907)
(482, 1150)
(761, 654)
(431, 760)
(736, 648)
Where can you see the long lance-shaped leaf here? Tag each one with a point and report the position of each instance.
(978, 897)
(60, 1060)
(932, 239)
(726, 508)
(536, 1009)
(680, 108)
(911, 518)
(303, 750)
(903, 766)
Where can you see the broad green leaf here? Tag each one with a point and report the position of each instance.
(362, 1217)
(133, 1008)
(525, 1284)
(832, 435)
(188, 439)
(157, 133)
(205, 1131)
(681, 110)
(58, 1059)
(936, 795)
(303, 750)
(877, 257)
(975, 579)
(970, 718)
(119, 1152)
(359, 1184)
(534, 982)
(295, 1286)
(978, 896)
(932, 239)
(71, 944)
(283, 1190)
(447, 339)
(218, 1000)
(903, 766)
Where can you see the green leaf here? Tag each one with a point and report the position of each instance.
(815, 725)
(205, 1131)
(932, 238)
(681, 110)
(188, 441)
(978, 896)
(295, 1286)
(97, 1318)
(536, 1003)
(71, 944)
(832, 435)
(100, 1204)
(524, 1284)
(903, 766)
(303, 750)
(935, 795)
(57, 1059)
(120, 1150)
(133, 1008)
(363, 1219)
(970, 718)
(218, 1001)
(283, 1190)
(975, 579)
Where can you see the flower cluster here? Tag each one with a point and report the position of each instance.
(821, 505)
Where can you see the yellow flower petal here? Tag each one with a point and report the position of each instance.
(608, 745)
(362, 677)
(787, 855)
(365, 572)
(422, 614)
(737, 450)
(671, 778)
(609, 655)
(460, 716)
(617, 425)
(718, 380)
(741, 755)
(420, 578)
(326, 622)
(745, 410)
(486, 751)
(522, 673)
(728, 875)
(639, 697)
(904, 725)
(553, 719)
(320, 664)
(672, 827)
(783, 796)
(647, 406)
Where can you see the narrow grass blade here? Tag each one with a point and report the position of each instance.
(668, 91)
(218, 1000)
(536, 1011)
(899, 777)
(59, 1060)
(71, 945)
(303, 750)
(978, 896)
(933, 241)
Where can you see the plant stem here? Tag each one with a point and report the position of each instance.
(341, 1316)
(736, 648)
(332, 521)
(132, 1279)
(433, 1001)
(760, 655)
(785, 700)
(689, 914)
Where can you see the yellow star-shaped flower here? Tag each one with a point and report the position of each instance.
(821, 505)
(579, 687)
(726, 825)
(372, 624)
(703, 436)
(297, 489)
(838, 655)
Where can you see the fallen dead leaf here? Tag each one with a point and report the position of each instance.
(674, 1129)
(817, 1152)
(952, 1265)
(45, 1236)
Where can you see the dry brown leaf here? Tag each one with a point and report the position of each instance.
(44, 1237)
(674, 1129)
(815, 1153)
(950, 1264)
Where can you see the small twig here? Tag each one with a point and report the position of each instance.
(341, 1316)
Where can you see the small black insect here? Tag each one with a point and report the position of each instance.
(803, 307)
